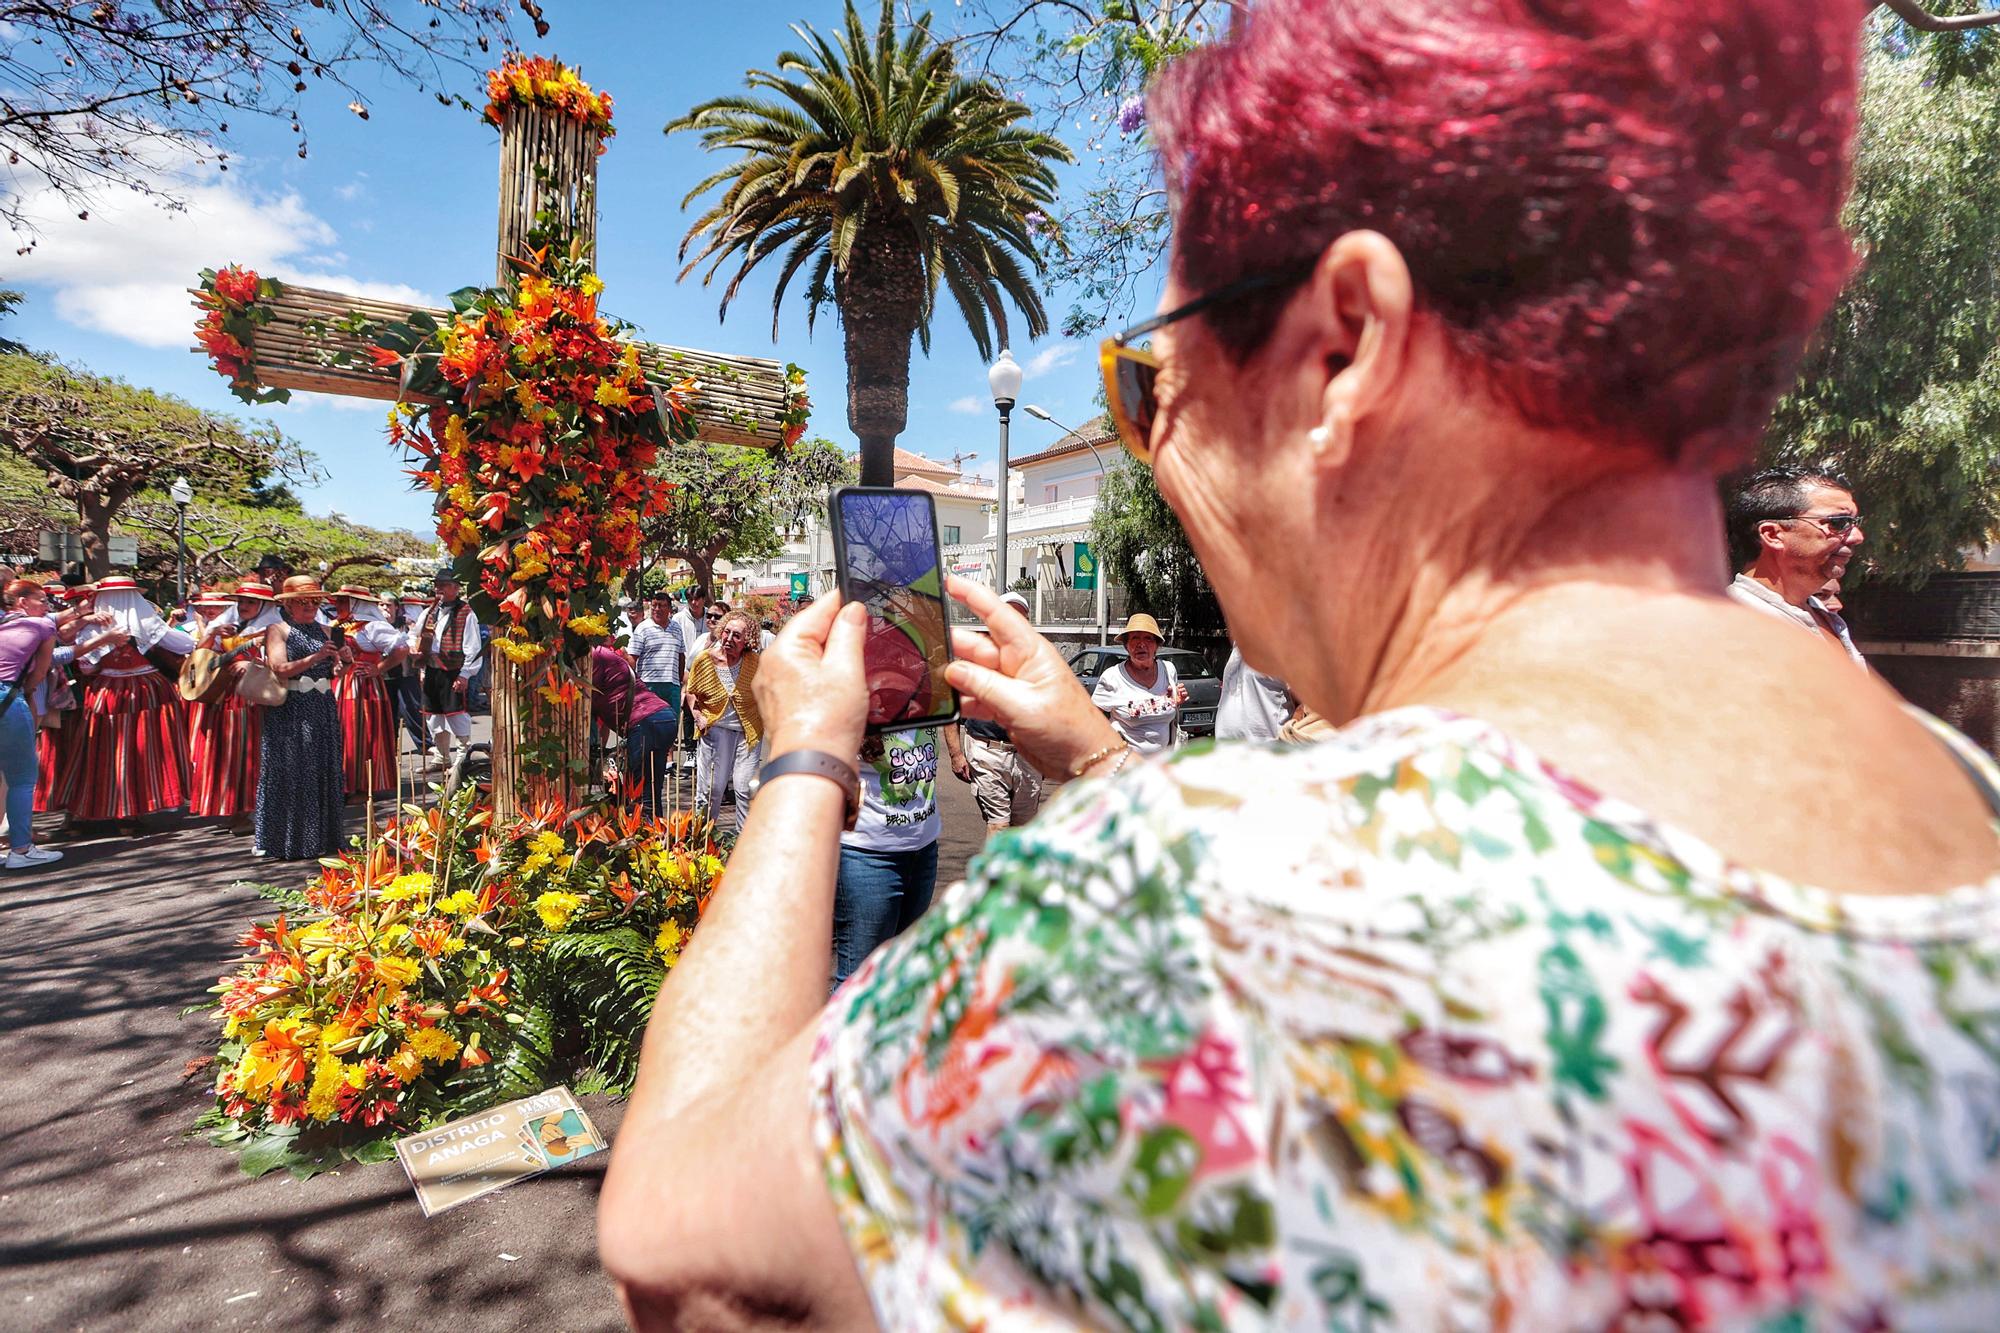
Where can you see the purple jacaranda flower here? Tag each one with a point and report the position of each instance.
(1131, 114)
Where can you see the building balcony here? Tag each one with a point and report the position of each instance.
(1071, 513)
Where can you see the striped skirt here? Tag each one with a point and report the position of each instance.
(52, 749)
(367, 733)
(130, 754)
(222, 756)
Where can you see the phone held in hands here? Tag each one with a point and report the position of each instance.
(887, 557)
(339, 636)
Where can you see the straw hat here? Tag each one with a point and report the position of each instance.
(253, 588)
(116, 585)
(302, 588)
(1017, 601)
(214, 597)
(356, 593)
(1141, 624)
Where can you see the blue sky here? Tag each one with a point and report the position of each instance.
(403, 205)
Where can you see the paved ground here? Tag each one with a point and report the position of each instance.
(111, 1216)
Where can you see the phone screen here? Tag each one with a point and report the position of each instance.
(889, 561)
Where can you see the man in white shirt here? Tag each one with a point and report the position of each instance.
(656, 652)
(446, 642)
(1791, 532)
(1253, 706)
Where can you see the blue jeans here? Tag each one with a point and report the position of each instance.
(18, 767)
(649, 748)
(878, 896)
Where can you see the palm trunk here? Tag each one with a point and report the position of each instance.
(880, 296)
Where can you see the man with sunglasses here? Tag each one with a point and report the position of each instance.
(689, 624)
(1792, 532)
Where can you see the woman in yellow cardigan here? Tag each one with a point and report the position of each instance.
(725, 714)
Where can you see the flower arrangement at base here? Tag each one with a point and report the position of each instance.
(451, 966)
(540, 81)
(234, 303)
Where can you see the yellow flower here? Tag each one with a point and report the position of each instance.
(454, 434)
(668, 941)
(710, 867)
(398, 972)
(460, 495)
(414, 884)
(612, 394)
(519, 653)
(591, 627)
(463, 902)
(453, 945)
(535, 862)
(433, 1043)
(556, 908)
(530, 566)
(405, 1064)
(329, 1076)
(569, 490)
(548, 842)
(590, 284)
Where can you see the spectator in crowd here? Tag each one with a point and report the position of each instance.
(621, 704)
(655, 649)
(27, 646)
(448, 644)
(1615, 961)
(726, 719)
(1791, 531)
(888, 860)
(361, 690)
(1829, 598)
(1005, 786)
(690, 623)
(300, 787)
(1142, 695)
(129, 758)
(1253, 706)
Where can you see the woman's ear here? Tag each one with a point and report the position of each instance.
(1359, 302)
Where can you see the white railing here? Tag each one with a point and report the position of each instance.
(1076, 509)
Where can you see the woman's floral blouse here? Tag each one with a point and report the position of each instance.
(1406, 1031)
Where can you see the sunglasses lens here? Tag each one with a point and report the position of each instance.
(1129, 380)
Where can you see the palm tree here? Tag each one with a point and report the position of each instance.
(877, 164)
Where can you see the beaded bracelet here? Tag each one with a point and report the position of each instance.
(1096, 757)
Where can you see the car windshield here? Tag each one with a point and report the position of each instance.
(1188, 664)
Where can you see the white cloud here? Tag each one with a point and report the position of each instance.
(125, 271)
(1050, 358)
(967, 406)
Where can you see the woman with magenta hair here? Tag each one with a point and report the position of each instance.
(1621, 959)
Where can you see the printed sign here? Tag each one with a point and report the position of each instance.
(458, 1162)
(801, 588)
(1085, 567)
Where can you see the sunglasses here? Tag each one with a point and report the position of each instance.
(1834, 525)
(1132, 374)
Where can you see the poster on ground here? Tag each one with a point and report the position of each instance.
(459, 1161)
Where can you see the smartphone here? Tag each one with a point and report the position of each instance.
(886, 557)
(339, 636)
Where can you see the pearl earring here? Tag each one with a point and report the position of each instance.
(1317, 438)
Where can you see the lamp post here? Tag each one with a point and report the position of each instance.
(182, 495)
(1103, 598)
(1004, 378)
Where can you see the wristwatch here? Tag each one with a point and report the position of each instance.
(821, 764)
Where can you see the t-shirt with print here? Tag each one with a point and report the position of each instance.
(1143, 716)
(899, 809)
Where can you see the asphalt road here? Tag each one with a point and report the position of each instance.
(112, 1216)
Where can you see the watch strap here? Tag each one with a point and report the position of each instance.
(820, 764)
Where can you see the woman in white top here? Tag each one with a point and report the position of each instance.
(1141, 695)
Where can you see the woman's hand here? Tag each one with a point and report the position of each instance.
(811, 686)
(1014, 676)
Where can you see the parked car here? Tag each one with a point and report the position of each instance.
(1204, 687)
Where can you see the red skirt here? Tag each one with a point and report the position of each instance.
(367, 732)
(52, 749)
(222, 758)
(130, 753)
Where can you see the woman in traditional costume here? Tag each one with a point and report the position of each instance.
(130, 755)
(367, 713)
(299, 795)
(226, 732)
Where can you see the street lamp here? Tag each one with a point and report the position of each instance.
(1004, 377)
(1103, 597)
(182, 495)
